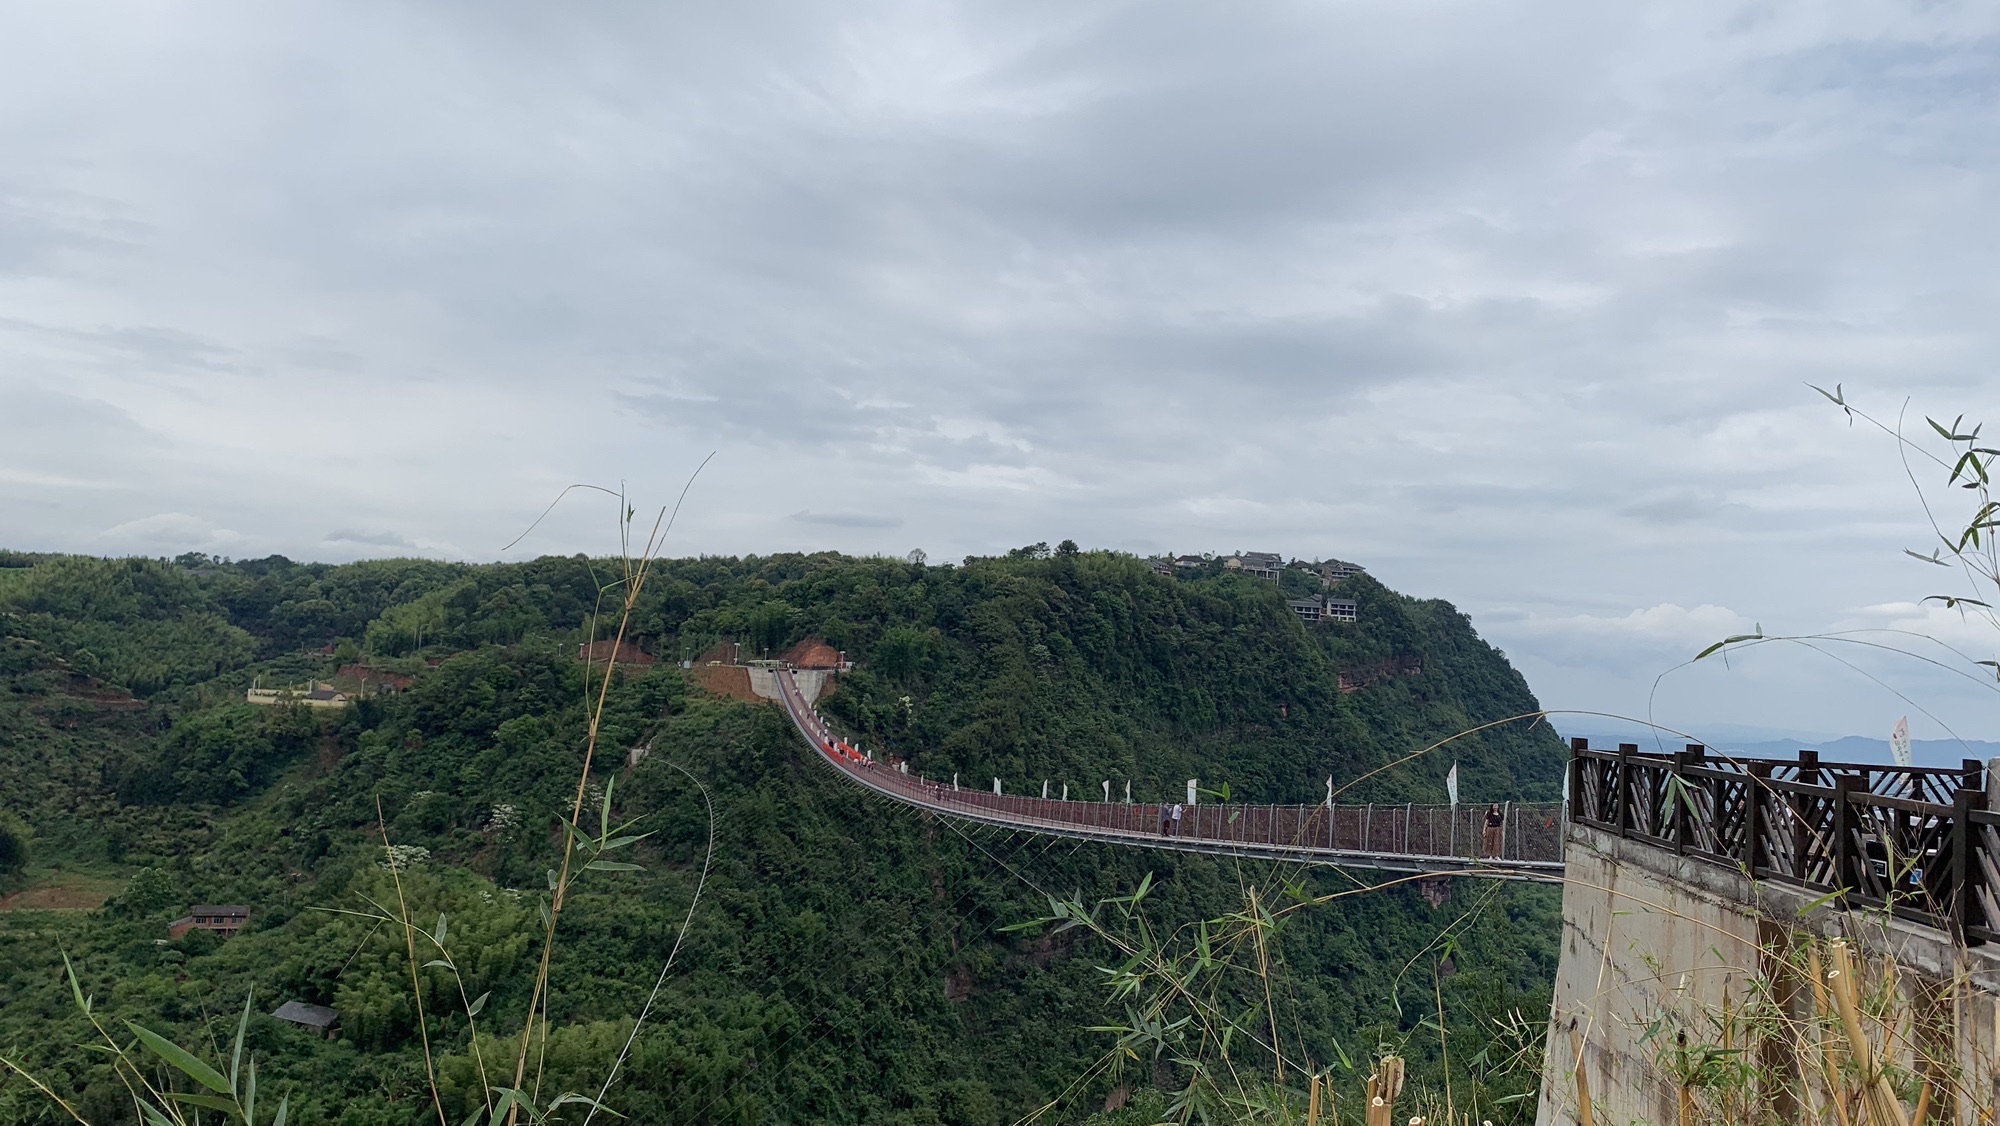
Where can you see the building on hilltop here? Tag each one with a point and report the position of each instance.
(1259, 564)
(313, 694)
(1161, 566)
(1190, 562)
(223, 920)
(1332, 571)
(1323, 609)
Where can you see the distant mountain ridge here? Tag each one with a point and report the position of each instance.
(1839, 748)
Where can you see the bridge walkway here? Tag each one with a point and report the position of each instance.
(1392, 838)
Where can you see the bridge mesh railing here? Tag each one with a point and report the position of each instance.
(1530, 833)
(1918, 841)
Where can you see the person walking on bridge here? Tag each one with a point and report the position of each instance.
(1177, 819)
(1493, 839)
(1166, 817)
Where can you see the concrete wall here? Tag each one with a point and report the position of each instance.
(1653, 941)
(811, 682)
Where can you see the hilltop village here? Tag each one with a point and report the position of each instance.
(1315, 607)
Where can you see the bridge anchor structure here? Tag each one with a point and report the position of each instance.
(1409, 838)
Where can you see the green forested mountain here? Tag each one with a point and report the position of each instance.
(847, 962)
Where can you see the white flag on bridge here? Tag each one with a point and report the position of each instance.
(1451, 783)
(1899, 742)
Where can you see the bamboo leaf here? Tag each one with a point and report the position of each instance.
(622, 842)
(438, 935)
(212, 1102)
(181, 1059)
(284, 1111)
(236, 1053)
(478, 1003)
(572, 1097)
(1728, 641)
(604, 815)
(75, 986)
(612, 866)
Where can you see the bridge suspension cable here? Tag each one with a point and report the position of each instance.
(1396, 838)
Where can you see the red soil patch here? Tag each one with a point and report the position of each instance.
(624, 652)
(728, 681)
(812, 653)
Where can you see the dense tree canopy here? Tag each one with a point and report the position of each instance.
(847, 963)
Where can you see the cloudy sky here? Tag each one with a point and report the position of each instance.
(1513, 304)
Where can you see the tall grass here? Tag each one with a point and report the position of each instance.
(170, 1085)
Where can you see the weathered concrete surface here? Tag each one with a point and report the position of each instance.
(811, 682)
(1655, 941)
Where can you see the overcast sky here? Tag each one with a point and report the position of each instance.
(1515, 305)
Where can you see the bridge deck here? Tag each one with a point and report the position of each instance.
(1400, 838)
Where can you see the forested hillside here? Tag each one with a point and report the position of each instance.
(847, 962)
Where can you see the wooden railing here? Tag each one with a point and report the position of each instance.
(1401, 837)
(1919, 842)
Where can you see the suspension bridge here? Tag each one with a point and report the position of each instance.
(1433, 839)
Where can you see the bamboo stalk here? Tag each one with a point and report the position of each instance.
(1383, 1087)
(1883, 1107)
(1823, 1009)
(1312, 1102)
(1584, 1117)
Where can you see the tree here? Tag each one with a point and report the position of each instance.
(13, 845)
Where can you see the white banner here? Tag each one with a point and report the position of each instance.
(1899, 742)
(1451, 783)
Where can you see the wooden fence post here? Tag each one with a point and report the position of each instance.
(1755, 791)
(1964, 900)
(1626, 753)
(1843, 834)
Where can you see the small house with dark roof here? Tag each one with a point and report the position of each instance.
(312, 1018)
(1332, 571)
(224, 920)
(1260, 564)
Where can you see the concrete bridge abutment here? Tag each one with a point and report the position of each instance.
(1684, 985)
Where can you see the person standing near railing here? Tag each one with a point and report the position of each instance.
(1493, 839)
(1177, 819)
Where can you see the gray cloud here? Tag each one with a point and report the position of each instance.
(1517, 308)
(371, 539)
(847, 520)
